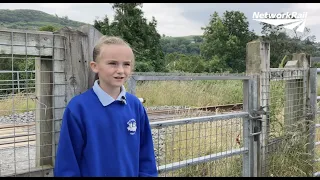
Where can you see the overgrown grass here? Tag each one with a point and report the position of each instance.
(317, 150)
(190, 93)
(17, 103)
(276, 108)
(202, 93)
(291, 158)
(288, 157)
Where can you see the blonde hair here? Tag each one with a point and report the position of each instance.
(109, 40)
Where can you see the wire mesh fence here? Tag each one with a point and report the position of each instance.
(20, 84)
(285, 139)
(25, 99)
(199, 149)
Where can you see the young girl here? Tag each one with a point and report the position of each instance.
(105, 131)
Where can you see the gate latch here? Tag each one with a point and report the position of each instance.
(260, 111)
(257, 116)
(256, 133)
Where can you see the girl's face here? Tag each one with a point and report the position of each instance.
(113, 65)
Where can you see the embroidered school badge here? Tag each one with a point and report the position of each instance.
(132, 126)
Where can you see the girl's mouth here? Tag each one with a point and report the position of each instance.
(119, 77)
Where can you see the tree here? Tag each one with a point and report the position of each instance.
(183, 45)
(103, 26)
(49, 28)
(185, 63)
(283, 43)
(225, 40)
(130, 25)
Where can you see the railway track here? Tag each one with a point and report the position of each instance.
(25, 134)
(17, 135)
(187, 112)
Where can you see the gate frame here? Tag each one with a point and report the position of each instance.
(248, 122)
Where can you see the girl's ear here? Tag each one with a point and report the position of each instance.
(94, 67)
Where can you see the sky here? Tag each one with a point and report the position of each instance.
(178, 19)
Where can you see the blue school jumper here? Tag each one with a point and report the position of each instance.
(104, 137)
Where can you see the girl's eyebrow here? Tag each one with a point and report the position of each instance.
(113, 60)
(116, 60)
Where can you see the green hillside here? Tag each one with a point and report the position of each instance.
(33, 19)
(189, 38)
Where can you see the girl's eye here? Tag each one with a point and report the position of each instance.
(112, 63)
(127, 64)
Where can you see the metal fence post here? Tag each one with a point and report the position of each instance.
(251, 129)
(256, 145)
(251, 161)
(246, 161)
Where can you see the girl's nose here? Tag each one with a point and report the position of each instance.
(120, 69)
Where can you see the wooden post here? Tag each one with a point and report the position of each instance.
(70, 72)
(72, 76)
(43, 114)
(258, 63)
(93, 36)
(59, 88)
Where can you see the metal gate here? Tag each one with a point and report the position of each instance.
(204, 145)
